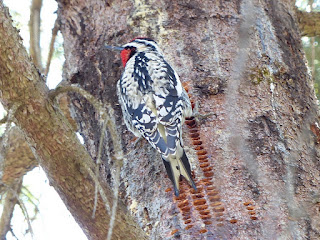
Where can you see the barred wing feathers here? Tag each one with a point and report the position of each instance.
(157, 109)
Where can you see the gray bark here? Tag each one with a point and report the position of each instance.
(256, 159)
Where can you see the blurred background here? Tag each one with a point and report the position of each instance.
(311, 44)
(39, 204)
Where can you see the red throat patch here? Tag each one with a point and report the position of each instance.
(125, 55)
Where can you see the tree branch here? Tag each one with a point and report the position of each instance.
(34, 26)
(9, 203)
(119, 156)
(61, 155)
(103, 130)
(309, 23)
(51, 47)
(16, 163)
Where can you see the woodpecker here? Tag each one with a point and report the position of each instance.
(154, 104)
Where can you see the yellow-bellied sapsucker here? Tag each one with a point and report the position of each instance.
(154, 104)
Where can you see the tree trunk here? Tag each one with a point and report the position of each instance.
(53, 141)
(256, 159)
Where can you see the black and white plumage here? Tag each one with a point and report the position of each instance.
(154, 104)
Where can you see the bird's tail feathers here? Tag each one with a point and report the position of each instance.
(176, 167)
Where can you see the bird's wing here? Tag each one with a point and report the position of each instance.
(168, 101)
(156, 110)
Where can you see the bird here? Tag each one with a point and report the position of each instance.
(154, 104)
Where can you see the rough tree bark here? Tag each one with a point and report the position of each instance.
(256, 160)
(52, 139)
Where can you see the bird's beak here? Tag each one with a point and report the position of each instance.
(114, 48)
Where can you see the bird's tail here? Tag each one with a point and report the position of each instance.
(175, 167)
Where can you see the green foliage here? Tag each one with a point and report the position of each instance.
(30, 201)
(305, 5)
(58, 47)
(308, 48)
(311, 45)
